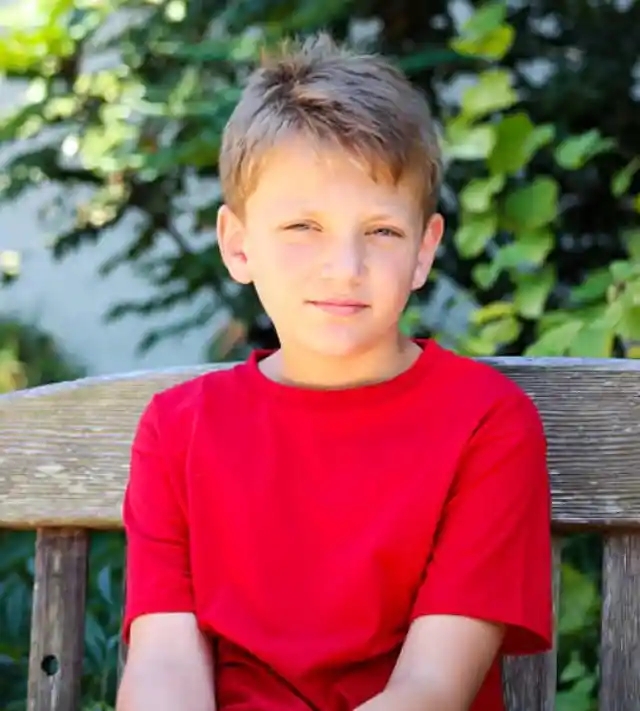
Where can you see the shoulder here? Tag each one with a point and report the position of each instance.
(176, 407)
(502, 455)
(482, 388)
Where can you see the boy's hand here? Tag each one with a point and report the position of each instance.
(443, 663)
(169, 666)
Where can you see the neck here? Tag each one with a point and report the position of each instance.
(291, 366)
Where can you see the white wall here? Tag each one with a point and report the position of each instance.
(68, 298)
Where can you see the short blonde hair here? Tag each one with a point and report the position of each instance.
(317, 89)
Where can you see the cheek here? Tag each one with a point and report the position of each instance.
(293, 260)
(280, 269)
(393, 269)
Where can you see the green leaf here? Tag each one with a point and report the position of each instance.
(512, 150)
(493, 92)
(593, 341)
(632, 289)
(478, 194)
(12, 125)
(535, 244)
(517, 141)
(494, 45)
(556, 340)
(621, 181)
(575, 151)
(489, 312)
(485, 19)
(419, 61)
(485, 275)
(631, 238)
(465, 142)
(629, 325)
(501, 331)
(611, 317)
(533, 291)
(578, 602)
(474, 233)
(529, 248)
(622, 271)
(574, 670)
(477, 346)
(594, 286)
(540, 136)
(532, 206)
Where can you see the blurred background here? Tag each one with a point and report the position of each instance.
(111, 113)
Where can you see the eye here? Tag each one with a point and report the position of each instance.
(388, 232)
(300, 227)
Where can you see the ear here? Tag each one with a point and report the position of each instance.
(428, 247)
(231, 240)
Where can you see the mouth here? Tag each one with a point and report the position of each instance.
(339, 307)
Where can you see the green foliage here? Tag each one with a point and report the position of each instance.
(511, 218)
(511, 227)
(102, 635)
(33, 357)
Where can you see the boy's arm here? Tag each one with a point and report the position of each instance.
(487, 587)
(169, 666)
(442, 665)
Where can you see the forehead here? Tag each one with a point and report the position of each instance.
(302, 173)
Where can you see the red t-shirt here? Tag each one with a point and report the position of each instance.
(306, 529)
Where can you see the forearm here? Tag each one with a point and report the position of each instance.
(166, 685)
(409, 695)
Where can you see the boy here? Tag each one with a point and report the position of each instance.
(356, 520)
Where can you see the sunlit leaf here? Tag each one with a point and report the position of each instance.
(477, 195)
(493, 92)
(532, 206)
(494, 310)
(533, 291)
(493, 45)
(468, 142)
(621, 181)
(474, 233)
(555, 341)
(575, 151)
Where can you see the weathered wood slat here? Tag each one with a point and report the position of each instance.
(64, 449)
(57, 626)
(620, 636)
(530, 681)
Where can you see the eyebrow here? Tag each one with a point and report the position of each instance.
(302, 211)
(384, 217)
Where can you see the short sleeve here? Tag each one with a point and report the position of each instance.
(491, 558)
(158, 577)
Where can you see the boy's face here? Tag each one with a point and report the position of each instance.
(332, 253)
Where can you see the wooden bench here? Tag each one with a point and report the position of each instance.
(64, 454)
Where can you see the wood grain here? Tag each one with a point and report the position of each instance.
(64, 449)
(529, 682)
(57, 626)
(620, 635)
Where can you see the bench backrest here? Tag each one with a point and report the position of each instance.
(64, 456)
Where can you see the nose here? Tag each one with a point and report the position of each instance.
(344, 259)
